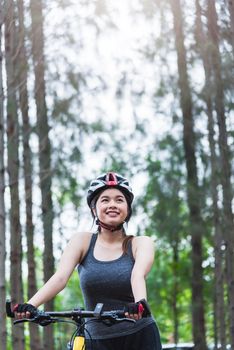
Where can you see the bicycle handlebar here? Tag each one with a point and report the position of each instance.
(44, 318)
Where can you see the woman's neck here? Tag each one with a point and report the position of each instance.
(110, 237)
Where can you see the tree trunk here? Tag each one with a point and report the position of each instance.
(219, 304)
(175, 291)
(228, 228)
(2, 204)
(231, 10)
(22, 72)
(16, 285)
(44, 149)
(192, 182)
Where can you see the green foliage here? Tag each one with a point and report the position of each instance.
(71, 296)
(165, 205)
(163, 284)
(68, 299)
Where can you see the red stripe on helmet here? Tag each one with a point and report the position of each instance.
(111, 179)
(111, 183)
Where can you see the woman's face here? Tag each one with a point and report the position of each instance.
(112, 207)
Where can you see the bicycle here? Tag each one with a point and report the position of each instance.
(77, 316)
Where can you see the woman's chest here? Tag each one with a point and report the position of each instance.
(107, 253)
(106, 276)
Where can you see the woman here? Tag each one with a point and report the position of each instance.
(112, 268)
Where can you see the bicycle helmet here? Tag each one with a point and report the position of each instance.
(108, 180)
(103, 182)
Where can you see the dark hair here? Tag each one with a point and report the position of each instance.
(126, 242)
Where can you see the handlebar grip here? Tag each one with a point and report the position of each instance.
(9, 311)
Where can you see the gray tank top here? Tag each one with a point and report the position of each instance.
(108, 282)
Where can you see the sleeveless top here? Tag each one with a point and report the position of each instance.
(108, 282)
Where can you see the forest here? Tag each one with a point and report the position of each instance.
(144, 88)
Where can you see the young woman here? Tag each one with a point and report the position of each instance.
(112, 268)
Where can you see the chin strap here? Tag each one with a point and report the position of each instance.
(109, 227)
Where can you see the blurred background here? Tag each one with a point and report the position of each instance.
(143, 88)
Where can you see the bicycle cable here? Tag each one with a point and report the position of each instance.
(84, 330)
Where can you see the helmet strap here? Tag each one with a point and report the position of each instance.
(109, 227)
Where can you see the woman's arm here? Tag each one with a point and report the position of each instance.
(71, 257)
(143, 250)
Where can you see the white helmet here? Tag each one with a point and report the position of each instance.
(108, 180)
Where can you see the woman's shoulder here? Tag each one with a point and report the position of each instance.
(82, 240)
(142, 243)
(142, 240)
(81, 237)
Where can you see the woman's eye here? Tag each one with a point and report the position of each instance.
(106, 200)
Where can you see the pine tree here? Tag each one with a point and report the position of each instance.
(196, 226)
(2, 202)
(44, 150)
(219, 305)
(224, 150)
(231, 11)
(13, 168)
(22, 78)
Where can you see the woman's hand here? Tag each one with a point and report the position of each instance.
(137, 310)
(24, 311)
(134, 310)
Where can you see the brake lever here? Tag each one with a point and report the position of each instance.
(41, 319)
(23, 320)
